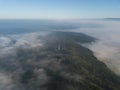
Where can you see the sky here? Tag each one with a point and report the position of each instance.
(59, 9)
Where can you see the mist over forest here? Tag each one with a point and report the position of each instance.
(33, 53)
(106, 48)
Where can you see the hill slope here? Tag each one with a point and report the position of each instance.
(62, 64)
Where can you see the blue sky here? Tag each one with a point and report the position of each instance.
(59, 9)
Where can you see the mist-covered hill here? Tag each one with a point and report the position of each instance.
(61, 63)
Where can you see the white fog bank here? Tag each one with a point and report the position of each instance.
(107, 47)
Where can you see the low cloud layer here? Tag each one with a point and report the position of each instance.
(9, 43)
(11, 67)
(107, 47)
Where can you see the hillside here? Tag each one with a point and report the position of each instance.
(61, 64)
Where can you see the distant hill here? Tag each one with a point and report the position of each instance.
(112, 19)
(61, 64)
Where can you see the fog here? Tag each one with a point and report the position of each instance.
(10, 67)
(106, 48)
